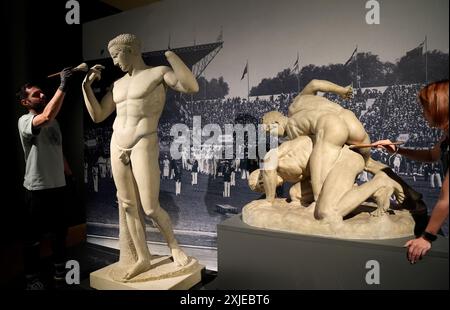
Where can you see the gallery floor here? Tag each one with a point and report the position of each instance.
(92, 255)
(97, 253)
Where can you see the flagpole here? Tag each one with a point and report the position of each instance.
(195, 35)
(168, 45)
(298, 73)
(248, 83)
(426, 60)
(357, 73)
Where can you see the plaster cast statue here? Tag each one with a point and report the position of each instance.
(339, 196)
(332, 126)
(341, 211)
(319, 133)
(138, 98)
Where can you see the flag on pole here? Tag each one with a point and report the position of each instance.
(417, 51)
(245, 71)
(168, 44)
(220, 37)
(426, 59)
(351, 57)
(295, 66)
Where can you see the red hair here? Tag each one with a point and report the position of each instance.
(434, 100)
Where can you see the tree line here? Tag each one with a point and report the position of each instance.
(364, 70)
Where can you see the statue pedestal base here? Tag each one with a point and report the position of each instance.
(257, 258)
(164, 275)
(293, 217)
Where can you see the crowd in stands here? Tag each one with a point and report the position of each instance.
(387, 113)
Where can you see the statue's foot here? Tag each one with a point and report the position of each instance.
(311, 207)
(333, 221)
(382, 197)
(398, 190)
(395, 187)
(267, 202)
(179, 257)
(139, 267)
(380, 211)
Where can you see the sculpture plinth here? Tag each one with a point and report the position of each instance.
(258, 258)
(164, 275)
(293, 217)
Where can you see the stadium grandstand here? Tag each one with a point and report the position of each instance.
(196, 57)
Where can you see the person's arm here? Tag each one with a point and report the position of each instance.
(98, 111)
(181, 78)
(269, 171)
(52, 108)
(328, 87)
(428, 155)
(418, 247)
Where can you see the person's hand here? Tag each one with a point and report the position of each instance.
(93, 74)
(348, 93)
(417, 248)
(386, 145)
(65, 77)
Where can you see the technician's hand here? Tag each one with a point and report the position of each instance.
(390, 148)
(65, 77)
(417, 248)
(93, 74)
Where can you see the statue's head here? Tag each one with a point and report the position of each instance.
(256, 182)
(275, 122)
(123, 49)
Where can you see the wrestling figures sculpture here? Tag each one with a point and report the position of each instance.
(318, 161)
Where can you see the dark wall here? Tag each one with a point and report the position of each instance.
(40, 42)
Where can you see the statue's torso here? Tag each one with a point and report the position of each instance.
(293, 165)
(139, 103)
(305, 111)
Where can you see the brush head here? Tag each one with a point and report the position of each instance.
(81, 67)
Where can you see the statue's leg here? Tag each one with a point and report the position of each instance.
(358, 135)
(331, 134)
(295, 192)
(307, 194)
(413, 199)
(337, 201)
(269, 172)
(146, 170)
(340, 180)
(129, 202)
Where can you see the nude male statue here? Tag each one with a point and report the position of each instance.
(339, 196)
(138, 98)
